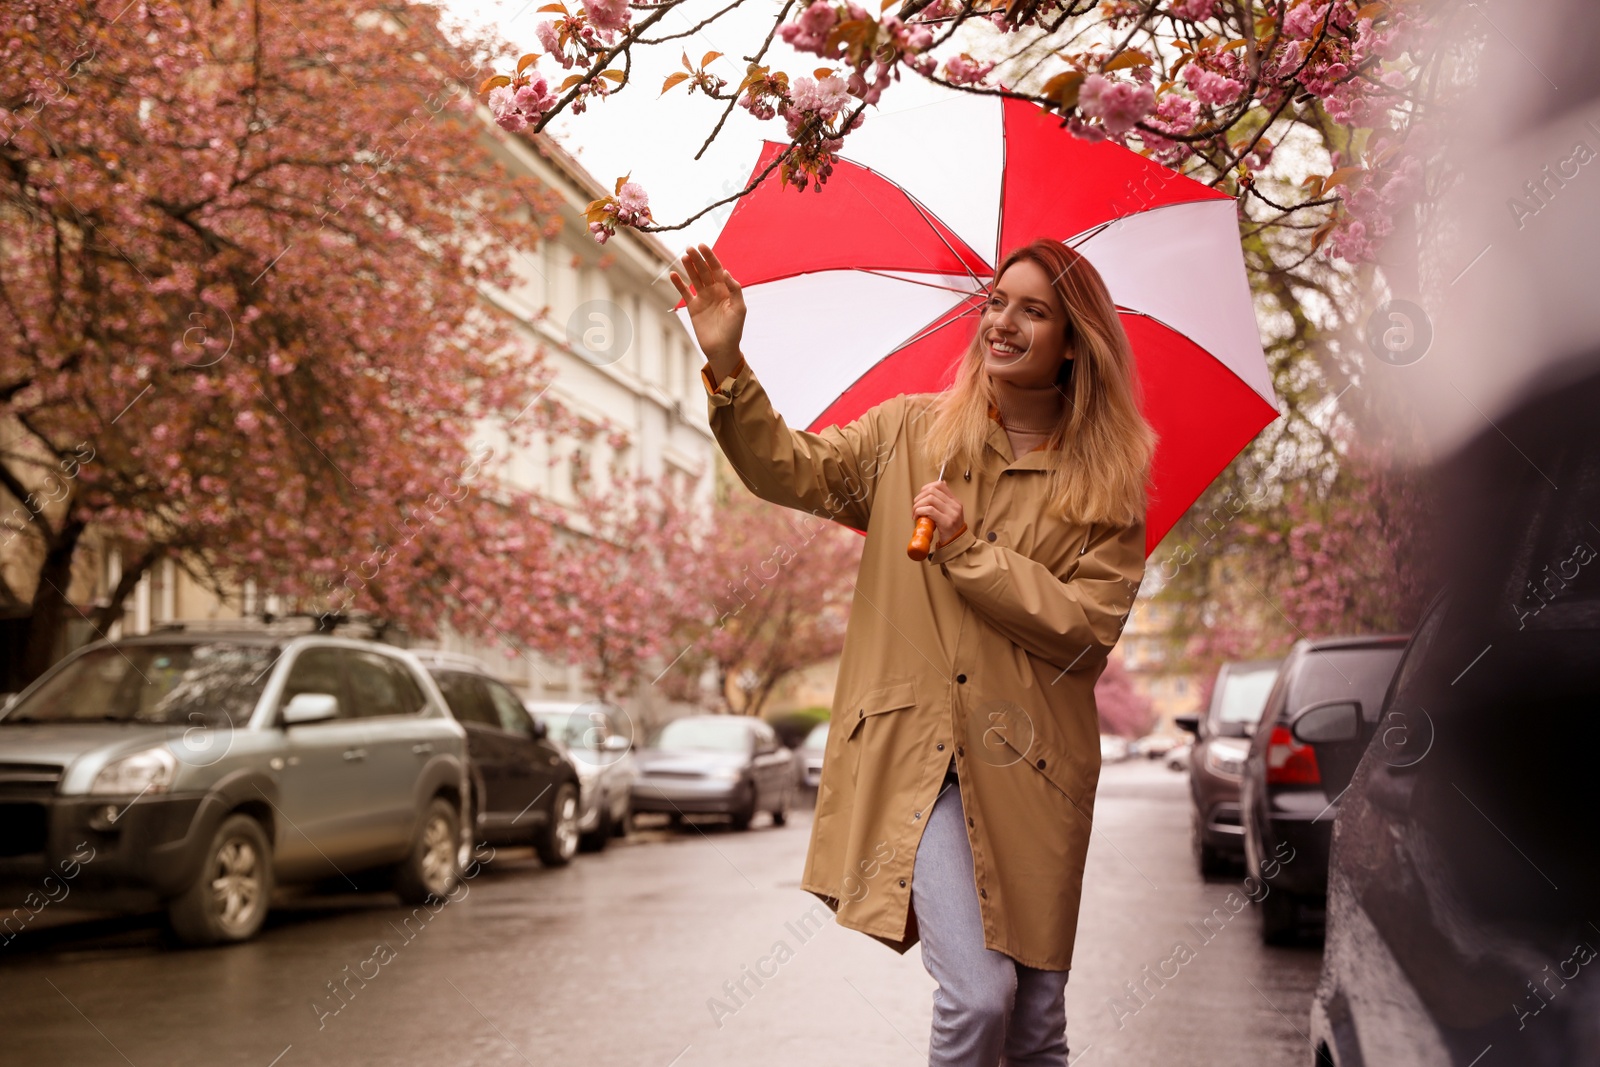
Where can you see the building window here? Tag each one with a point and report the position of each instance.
(579, 470)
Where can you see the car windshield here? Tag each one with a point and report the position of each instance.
(211, 684)
(704, 735)
(1244, 695)
(574, 729)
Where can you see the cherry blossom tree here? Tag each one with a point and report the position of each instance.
(242, 251)
(779, 597)
(1123, 710)
(1212, 89)
(623, 572)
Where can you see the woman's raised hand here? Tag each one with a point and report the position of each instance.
(716, 307)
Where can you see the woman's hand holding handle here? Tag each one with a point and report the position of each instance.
(716, 307)
(937, 507)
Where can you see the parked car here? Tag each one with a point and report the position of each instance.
(1216, 763)
(1178, 758)
(716, 764)
(811, 751)
(1154, 746)
(1113, 748)
(197, 771)
(525, 788)
(1289, 790)
(1464, 876)
(599, 742)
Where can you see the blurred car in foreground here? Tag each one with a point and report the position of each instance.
(1290, 789)
(524, 788)
(1216, 762)
(195, 772)
(811, 751)
(1464, 879)
(600, 745)
(716, 765)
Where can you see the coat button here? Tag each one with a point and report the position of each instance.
(984, 893)
(990, 535)
(967, 476)
(902, 883)
(940, 746)
(1041, 765)
(862, 714)
(960, 751)
(961, 678)
(970, 822)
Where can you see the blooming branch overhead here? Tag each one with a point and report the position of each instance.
(1209, 89)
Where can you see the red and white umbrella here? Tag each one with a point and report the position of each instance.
(867, 289)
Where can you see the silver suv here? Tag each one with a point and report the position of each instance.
(196, 771)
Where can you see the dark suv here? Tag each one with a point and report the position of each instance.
(524, 787)
(1290, 790)
(196, 771)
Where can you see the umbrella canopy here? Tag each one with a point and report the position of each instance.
(874, 285)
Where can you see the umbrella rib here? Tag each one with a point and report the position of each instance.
(946, 319)
(920, 211)
(928, 218)
(930, 285)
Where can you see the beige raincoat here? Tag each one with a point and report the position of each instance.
(988, 651)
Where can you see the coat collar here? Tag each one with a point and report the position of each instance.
(998, 440)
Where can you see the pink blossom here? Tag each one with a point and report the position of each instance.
(551, 40)
(825, 98)
(1304, 20)
(608, 16)
(518, 108)
(759, 107)
(1118, 105)
(964, 70)
(1194, 10)
(809, 32)
(1175, 114)
(633, 204)
(1209, 86)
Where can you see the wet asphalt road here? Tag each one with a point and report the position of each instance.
(619, 958)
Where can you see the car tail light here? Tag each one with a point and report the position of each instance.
(1289, 762)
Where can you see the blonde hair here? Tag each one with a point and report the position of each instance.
(1100, 452)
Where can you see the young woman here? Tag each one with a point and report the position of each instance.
(959, 779)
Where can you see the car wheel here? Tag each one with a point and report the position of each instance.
(228, 899)
(780, 814)
(597, 839)
(1212, 863)
(623, 825)
(1280, 917)
(557, 840)
(746, 811)
(433, 868)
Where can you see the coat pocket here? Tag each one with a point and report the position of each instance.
(1068, 779)
(877, 701)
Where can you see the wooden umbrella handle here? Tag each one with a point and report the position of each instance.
(921, 539)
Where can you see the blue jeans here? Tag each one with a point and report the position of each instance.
(987, 1004)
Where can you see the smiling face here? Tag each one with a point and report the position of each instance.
(1024, 329)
